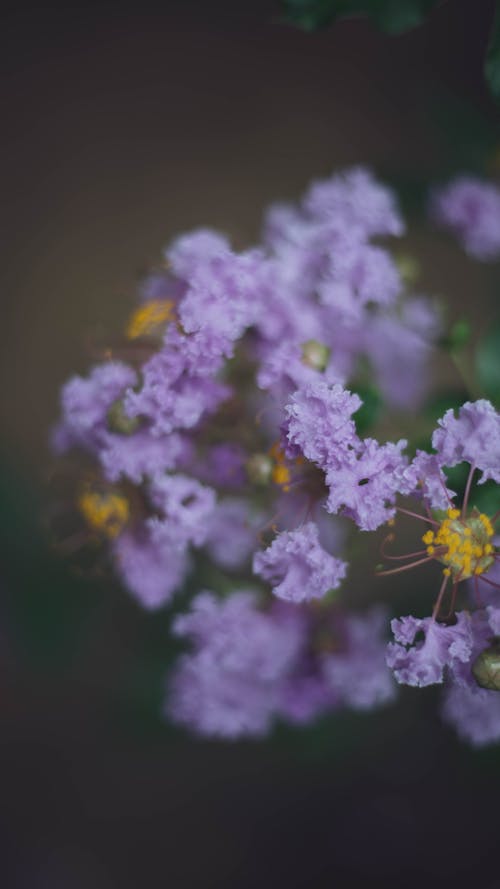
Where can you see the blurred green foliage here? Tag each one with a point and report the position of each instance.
(488, 364)
(392, 17)
(492, 62)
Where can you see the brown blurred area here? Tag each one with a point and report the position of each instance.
(124, 125)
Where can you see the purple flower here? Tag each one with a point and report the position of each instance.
(223, 466)
(85, 404)
(304, 697)
(319, 422)
(186, 508)
(474, 712)
(298, 567)
(221, 295)
(364, 483)
(425, 478)
(141, 454)
(471, 209)
(171, 399)
(460, 672)
(197, 248)
(359, 275)
(161, 285)
(231, 684)
(356, 199)
(151, 571)
(399, 346)
(358, 674)
(85, 423)
(232, 533)
(423, 663)
(283, 370)
(473, 437)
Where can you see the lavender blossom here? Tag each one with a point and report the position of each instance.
(228, 412)
(148, 569)
(473, 436)
(424, 477)
(357, 674)
(474, 713)
(298, 567)
(185, 508)
(231, 684)
(319, 423)
(364, 482)
(357, 199)
(471, 209)
(231, 534)
(423, 663)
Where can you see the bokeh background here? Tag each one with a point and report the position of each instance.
(124, 124)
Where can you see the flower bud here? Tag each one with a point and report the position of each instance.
(315, 354)
(119, 421)
(259, 468)
(486, 667)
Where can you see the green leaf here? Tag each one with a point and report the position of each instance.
(457, 337)
(369, 412)
(391, 16)
(492, 62)
(488, 364)
(441, 401)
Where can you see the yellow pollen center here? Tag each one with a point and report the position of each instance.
(463, 546)
(281, 473)
(106, 513)
(146, 319)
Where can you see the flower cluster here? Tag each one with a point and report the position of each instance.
(223, 429)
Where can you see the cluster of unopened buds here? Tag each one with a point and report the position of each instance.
(222, 438)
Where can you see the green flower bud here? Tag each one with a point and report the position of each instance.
(259, 468)
(119, 421)
(486, 667)
(315, 354)
(408, 267)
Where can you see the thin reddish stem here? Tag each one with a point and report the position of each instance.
(439, 599)
(311, 503)
(477, 593)
(270, 524)
(495, 517)
(404, 567)
(445, 489)
(417, 515)
(453, 599)
(490, 582)
(421, 552)
(467, 489)
(428, 511)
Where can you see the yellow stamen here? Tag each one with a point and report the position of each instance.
(281, 474)
(106, 513)
(146, 319)
(464, 544)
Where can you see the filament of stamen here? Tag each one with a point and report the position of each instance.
(490, 582)
(404, 567)
(467, 490)
(437, 606)
(416, 515)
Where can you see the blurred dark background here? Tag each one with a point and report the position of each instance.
(124, 124)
